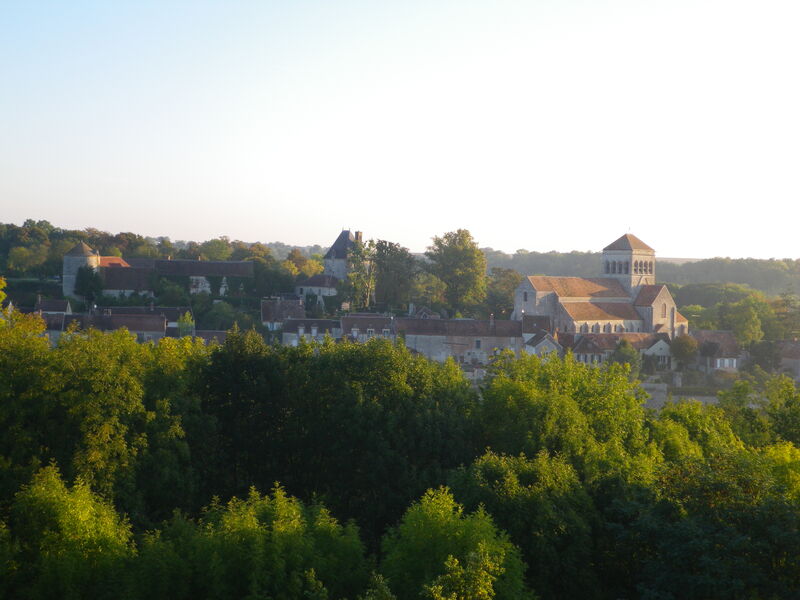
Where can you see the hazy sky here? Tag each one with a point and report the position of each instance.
(545, 125)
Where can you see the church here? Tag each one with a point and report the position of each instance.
(624, 298)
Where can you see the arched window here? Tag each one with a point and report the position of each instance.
(524, 296)
(627, 267)
(608, 267)
(607, 328)
(664, 311)
(584, 328)
(613, 267)
(651, 268)
(596, 328)
(636, 267)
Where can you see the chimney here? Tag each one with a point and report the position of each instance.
(358, 236)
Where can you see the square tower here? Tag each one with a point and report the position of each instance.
(630, 261)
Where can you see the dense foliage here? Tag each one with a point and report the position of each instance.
(149, 471)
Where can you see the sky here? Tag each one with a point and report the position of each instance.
(537, 124)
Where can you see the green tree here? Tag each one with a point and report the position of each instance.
(500, 291)
(2, 287)
(456, 260)
(88, 284)
(361, 273)
(684, 349)
(626, 354)
(185, 324)
(395, 269)
(217, 249)
(435, 537)
(70, 543)
(543, 506)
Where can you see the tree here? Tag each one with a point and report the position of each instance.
(435, 537)
(88, 284)
(71, 543)
(185, 324)
(361, 273)
(2, 293)
(217, 249)
(395, 269)
(456, 259)
(684, 349)
(625, 353)
(500, 291)
(546, 511)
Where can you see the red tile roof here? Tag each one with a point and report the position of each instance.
(113, 261)
(579, 287)
(604, 342)
(716, 343)
(648, 294)
(601, 311)
(628, 242)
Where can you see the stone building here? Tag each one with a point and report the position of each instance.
(335, 259)
(122, 277)
(624, 298)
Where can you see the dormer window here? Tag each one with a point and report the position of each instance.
(301, 330)
(313, 330)
(354, 332)
(386, 333)
(370, 333)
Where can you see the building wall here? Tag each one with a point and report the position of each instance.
(463, 348)
(336, 267)
(69, 271)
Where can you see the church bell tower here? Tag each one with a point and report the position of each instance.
(630, 261)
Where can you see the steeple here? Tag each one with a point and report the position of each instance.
(630, 261)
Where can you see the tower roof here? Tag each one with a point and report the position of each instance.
(341, 246)
(82, 249)
(628, 242)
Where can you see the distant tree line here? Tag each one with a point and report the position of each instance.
(149, 471)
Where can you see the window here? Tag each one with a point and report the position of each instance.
(584, 328)
(386, 333)
(301, 291)
(313, 330)
(607, 328)
(370, 333)
(524, 296)
(477, 344)
(664, 310)
(301, 330)
(596, 328)
(627, 267)
(354, 332)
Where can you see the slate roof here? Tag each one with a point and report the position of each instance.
(146, 323)
(364, 322)
(459, 327)
(319, 280)
(275, 310)
(341, 246)
(539, 337)
(133, 278)
(205, 268)
(628, 242)
(601, 311)
(171, 313)
(605, 342)
(716, 343)
(322, 325)
(81, 249)
(532, 323)
(52, 305)
(579, 287)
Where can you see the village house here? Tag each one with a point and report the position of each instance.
(310, 330)
(276, 309)
(361, 327)
(717, 351)
(123, 278)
